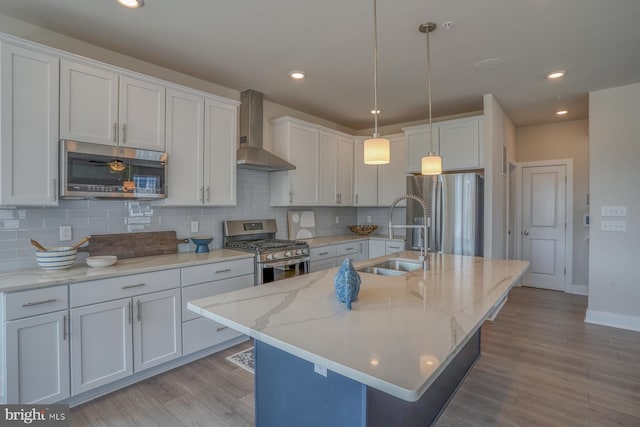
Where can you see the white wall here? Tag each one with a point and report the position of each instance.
(564, 140)
(498, 130)
(614, 176)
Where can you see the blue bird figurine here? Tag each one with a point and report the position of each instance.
(347, 283)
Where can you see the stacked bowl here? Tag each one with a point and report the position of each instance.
(56, 258)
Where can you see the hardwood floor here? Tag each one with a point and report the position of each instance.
(541, 365)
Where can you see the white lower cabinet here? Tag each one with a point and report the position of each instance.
(329, 256)
(198, 332)
(37, 359)
(393, 246)
(377, 248)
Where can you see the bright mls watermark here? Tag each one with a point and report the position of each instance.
(37, 415)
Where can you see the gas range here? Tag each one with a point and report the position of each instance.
(275, 258)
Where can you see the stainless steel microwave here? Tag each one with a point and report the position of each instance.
(95, 171)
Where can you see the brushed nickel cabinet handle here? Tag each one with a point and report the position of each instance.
(124, 133)
(139, 304)
(221, 328)
(224, 270)
(31, 304)
(64, 327)
(356, 199)
(323, 253)
(349, 249)
(55, 190)
(129, 312)
(290, 196)
(201, 197)
(115, 133)
(208, 194)
(139, 285)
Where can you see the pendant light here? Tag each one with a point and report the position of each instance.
(376, 149)
(431, 164)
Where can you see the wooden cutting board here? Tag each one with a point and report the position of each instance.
(133, 245)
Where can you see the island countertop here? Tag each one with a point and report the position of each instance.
(401, 332)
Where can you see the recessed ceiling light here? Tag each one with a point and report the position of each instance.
(132, 4)
(561, 112)
(555, 74)
(376, 111)
(297, 75)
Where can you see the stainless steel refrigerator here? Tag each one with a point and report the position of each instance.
(455, 212)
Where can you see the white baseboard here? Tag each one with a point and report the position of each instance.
(614, 320)
(578, 289)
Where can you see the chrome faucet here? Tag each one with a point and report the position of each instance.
(424, 249)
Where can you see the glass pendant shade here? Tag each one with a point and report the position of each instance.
(376, 151)
(431, 165)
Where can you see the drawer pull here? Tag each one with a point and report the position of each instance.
(31, 304)
(394, 247)
(139, 285)
(64, 327)
(349, 249)
(139, 304)
(129, 312)
(224, 270)
(323, 253)
(221, 328)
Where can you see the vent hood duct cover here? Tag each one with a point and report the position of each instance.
(251, 155)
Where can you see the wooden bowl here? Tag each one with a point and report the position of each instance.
(363, 230)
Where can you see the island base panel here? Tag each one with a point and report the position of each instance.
(289, 392)
(384, 410)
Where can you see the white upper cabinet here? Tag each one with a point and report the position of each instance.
(324, 165)
(460, 145)
(29, 127)
(297, 143)
(220, 137)
(201, 146)
(392, 182)
(458, 141)
(100, 106)
(365, 186)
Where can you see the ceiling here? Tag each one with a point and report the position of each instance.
(255, 43)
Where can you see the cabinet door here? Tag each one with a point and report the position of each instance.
(185, 148)
(418, 146)
(101, 344)
(38, 359)
(220, 145)
(141, 114)
(29, 127)
(366, 179)
(157, 333)
(327, 169)
(345, 171)
(377, 248)
(392, 180)
(303, 153)
(88, 103)
(459, 145)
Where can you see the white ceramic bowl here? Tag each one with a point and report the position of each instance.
(56, 258)
(101, 261)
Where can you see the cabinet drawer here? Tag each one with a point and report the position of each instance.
(35, 301)
(212, 288)
(348, 248)
(216, 271)
(392, 246)
(96, 291)
(322, 252)
(200, 333)
(321, 265)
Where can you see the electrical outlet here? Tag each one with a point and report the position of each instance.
(617, 226)
(195, 226)
(614, 211)
(368, 219)
(320, 370)
(337, 219)
(65, 233)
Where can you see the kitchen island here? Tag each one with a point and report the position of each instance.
(394, 359)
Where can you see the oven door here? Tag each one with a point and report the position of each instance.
(267, 272)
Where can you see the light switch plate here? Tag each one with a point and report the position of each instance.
(65, 233)
(616, 226)
(320, 370)
(614, 211)
(195, 226)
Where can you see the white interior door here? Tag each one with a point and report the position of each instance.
(544, 225)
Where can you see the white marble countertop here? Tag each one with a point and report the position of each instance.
(333, 240)
(38, 278)
(401, 332)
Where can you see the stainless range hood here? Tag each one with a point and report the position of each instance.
(251, 155)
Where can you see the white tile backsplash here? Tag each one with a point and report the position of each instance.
(19, 225)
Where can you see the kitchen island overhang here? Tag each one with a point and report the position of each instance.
(401, 335)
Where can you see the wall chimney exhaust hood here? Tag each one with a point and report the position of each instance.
(251, 155)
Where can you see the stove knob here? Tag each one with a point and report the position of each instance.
(269, 256)
(287, 254)
(273, 256)
(298, 251)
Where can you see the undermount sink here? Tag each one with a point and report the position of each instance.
(392, 267)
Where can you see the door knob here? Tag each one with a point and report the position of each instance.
(526, 233)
